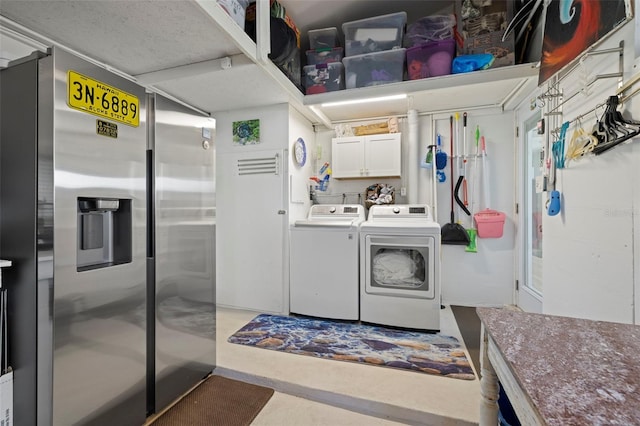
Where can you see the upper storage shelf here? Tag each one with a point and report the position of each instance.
(499, 87)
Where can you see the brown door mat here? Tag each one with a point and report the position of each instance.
(217, 401)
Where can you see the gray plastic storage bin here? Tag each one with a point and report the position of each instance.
(323, 78)
(324, 56)
(323, 38)
(372, 69)
(374, 34)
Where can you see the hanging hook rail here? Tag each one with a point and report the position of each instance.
(556, 131)
(633, 80)
(555, 86)
(602, 104)
(619, 74)
(619, 50)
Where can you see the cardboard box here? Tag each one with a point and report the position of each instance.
(481, 24)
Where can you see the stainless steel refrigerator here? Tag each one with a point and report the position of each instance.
(107, 210)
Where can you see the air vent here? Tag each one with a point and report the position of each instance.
(259, 166)
(350, 210)
(417, 210)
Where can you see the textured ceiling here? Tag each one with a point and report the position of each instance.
(134, 36)
(178, 40)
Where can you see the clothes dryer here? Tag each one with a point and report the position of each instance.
(324, 276)
(400, 267)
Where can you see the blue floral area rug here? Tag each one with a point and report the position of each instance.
(410, 350)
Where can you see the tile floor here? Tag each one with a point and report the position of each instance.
(312, 391)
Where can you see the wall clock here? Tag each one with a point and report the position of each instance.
(300, 152)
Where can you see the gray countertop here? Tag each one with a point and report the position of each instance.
(576, 371)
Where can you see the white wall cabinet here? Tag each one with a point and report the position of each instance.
(366, 156)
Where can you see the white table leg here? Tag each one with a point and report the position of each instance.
(489, 388)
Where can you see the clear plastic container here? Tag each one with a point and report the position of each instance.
(428, 29)
(323, 78)
(372, 69)
(323, 38)
(324, 56)
(375, 34)
(430, 59)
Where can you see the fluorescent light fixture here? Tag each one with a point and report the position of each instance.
(365, 100)
(321, 116)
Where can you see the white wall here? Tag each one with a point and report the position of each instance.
(485, 278)
(590, 265)
(273, 128)
(299, 202)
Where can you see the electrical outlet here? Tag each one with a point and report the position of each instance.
(403, 191)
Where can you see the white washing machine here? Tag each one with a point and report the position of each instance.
(324, 271)
(400, 267)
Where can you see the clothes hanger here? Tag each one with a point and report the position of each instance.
(614, 129)
(612, 104)
(581, 143)
(599, 131)
(558, 147)
(629, 123)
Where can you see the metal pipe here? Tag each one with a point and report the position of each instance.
(414, 154)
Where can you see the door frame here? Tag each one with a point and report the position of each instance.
(524, 297)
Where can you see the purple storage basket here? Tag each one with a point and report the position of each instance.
(430, 59)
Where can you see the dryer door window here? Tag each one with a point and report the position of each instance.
(400, 266)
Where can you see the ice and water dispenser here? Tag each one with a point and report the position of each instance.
(104, 232)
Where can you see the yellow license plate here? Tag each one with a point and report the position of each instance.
(95, 97)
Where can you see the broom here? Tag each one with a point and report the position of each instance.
(453, 233)
(473, 233)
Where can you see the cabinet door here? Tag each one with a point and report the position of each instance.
(347, 157)
(382, 155)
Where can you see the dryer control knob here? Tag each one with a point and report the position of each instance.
(396, 210)
(332, 210)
